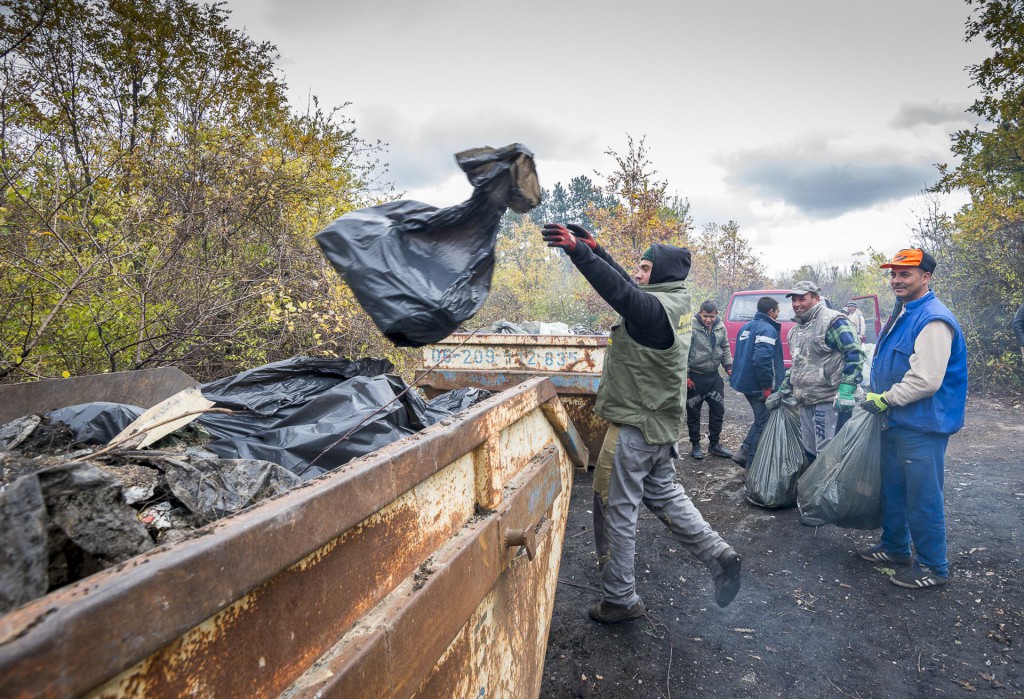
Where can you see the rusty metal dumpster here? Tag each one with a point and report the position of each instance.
(427, 568)
(497, 361)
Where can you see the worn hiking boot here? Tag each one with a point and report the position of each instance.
(726, 569)
(697, 452)
(917, 577)
(611, 613)
(877, 554)
(719, 451)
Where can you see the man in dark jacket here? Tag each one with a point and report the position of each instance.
(642, 396)
(709, 352)
(758, 369)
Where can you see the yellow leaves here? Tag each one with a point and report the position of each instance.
(65, 374)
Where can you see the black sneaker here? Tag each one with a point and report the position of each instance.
(611, 613)
(741, 458)
(877, 554)
(917, 577)
(719, 451)
(697, 452)
(726, 569)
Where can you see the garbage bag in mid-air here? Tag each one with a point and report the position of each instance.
(419, 271)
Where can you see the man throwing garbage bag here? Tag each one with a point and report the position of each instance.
(919, 382)
(642, 395)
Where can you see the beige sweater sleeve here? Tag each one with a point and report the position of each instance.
(928, 364)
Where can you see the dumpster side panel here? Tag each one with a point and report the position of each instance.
(514, 617)
(486, 639)
(376, 578)
(144, 388)
(496, 362)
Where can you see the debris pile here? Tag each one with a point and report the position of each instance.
(71, 506)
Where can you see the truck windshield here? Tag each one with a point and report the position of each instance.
(744, 307)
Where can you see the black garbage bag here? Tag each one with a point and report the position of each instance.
(773, 472)
(268, 388)
(844, 484)
(96, 423)
(357, 416)
(215, 488)
(272, 392)
(419, 271)
(454, 401)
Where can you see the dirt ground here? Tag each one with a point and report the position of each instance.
(812, 619)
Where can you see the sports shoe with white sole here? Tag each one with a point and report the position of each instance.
(917, 577)
(877, 554)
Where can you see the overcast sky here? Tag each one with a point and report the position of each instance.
(815, 124)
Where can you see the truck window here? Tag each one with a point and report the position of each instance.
(744, 307)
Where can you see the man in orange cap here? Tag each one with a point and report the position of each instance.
(919, 382)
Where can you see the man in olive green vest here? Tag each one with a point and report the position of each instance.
(642, 394)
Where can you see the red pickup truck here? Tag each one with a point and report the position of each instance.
(743, 306)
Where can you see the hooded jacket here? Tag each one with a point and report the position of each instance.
(645, 364)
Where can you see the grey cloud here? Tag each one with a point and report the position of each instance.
(421, 153)
(911, 115)
(829, 186)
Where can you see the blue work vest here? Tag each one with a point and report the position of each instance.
(943, 412)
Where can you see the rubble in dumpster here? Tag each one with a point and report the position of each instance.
(71, 506)
(534, 327)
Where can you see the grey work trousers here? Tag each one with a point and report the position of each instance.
(817, 426)
(631, 471)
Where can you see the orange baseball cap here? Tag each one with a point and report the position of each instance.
(912, 257)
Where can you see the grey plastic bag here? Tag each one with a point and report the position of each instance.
(779, 460)
(843, 486)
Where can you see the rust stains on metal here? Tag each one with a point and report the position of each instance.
(574, 354)
(265, 593)
(462, 600)
(497, 362)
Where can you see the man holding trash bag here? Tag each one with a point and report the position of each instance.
(827, 362)
(709, 352)
(642, 395)
(919, 382)
(757, 369)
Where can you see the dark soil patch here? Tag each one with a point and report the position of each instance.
(812, 619)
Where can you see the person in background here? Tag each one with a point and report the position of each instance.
(1018, 328)
(919, 383)
(709, 352)
(758, 369)
(642, 396)
(827, 361)
(857, 320)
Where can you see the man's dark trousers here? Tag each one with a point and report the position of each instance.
(761, 413)
(708, 388)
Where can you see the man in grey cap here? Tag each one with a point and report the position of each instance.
(826, 370)
(857, 320)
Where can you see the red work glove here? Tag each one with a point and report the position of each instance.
(766, 392)
(583, 235)
(557, 236)
(690, 386)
